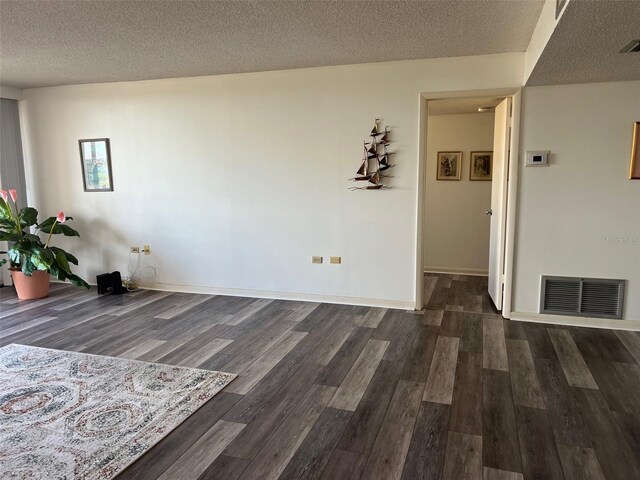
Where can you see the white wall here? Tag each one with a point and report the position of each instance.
(236, 181)
(456, 236)
(580, 216)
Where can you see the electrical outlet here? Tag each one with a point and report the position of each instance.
(146, 250)
(335, 260)
(135, 249)
(315, 259)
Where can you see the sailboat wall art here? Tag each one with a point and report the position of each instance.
(376, 159)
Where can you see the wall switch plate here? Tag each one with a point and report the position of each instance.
(146, 250)
(537, 159)
(315, 259)
(135, 249)
(335, 259)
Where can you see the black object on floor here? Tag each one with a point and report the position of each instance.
(110, 283)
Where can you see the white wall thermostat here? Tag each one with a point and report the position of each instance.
(538, 159)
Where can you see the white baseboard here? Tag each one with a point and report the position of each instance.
(303, 297)
(606, 323)
(458, 271)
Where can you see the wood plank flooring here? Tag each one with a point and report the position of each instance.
(344, 392)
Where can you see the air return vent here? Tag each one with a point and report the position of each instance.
(585, 297)
(632, 46)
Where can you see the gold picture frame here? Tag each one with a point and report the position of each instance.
(449, 166)
(481, 166)
(634, 170)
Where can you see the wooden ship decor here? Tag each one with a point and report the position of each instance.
(376, 159)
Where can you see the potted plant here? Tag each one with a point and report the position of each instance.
(32, 261)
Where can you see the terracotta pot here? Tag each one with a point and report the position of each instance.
(30, 288)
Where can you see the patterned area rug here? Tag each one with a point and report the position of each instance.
(68, 415)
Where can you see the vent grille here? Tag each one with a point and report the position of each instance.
(633, 46)
(585, 297)
(562, 296)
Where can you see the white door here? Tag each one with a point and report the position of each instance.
(498, 212)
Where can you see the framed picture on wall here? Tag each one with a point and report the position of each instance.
(634, 172)
(449, 166)
(95, 156)
(480, 165)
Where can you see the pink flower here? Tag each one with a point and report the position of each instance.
(14, 194)
(60, 217)
(3, 194)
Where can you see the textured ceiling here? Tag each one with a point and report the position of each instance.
(66, 42)
(452, 106)
(586, 43)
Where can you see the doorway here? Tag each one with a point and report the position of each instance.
(466, 207)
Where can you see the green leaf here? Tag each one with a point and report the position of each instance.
(5, 210)
(57, 272)
(47, 224)
(66, 230)
(39, 263)
(9, 237)
(3, 261)
(32, 238)
(27, 267)
(7, 224)
(77, 281)
(67, 255)
(41, 258)
(63, 263)
(15, 252)
(48, 254)
(28, 216)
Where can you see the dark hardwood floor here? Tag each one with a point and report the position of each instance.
(343, 392)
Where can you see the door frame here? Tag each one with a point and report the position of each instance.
(512, 186)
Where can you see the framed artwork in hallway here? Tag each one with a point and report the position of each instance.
(480, 166)
(449, 166)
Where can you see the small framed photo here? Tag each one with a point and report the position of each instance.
(95, 156)
(634, 172)
(480, 166)
(449, 166)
